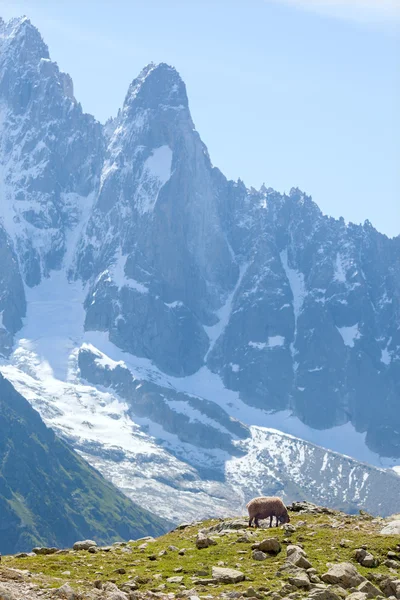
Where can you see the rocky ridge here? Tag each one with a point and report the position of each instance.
(321, 555)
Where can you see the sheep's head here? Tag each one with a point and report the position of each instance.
(284, 519)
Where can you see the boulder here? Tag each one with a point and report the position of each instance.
(203, 541)
(300, 580)
(392, 564)
(366, 559)
(368, 588)
(344, 574)
(357, 596)
(323, 594)
(297, 557)
(83, 545)
(175, 579)
(224, 575)
(44, 551)
(269, 545)
(66, 592)
(391, 528)
(258, 555)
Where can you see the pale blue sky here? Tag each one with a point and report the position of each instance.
(293, 93)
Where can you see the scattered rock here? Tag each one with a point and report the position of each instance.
(175, 579)
(66, 591)
(44, 551)
(297, 556)
(344, 574)
(300, 580)
(309, 507)
(93, 549)
(269, 545)
(21, 555)
(203, 541)
(258, 555)
(83, 545)
(6, 594)
(392, 564)
(357, 596)
(366, 559)
(323, 594)
(344, 543)
(224, 575)
(243, 539)
(289, 528)
(366, 587)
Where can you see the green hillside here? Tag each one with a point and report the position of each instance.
(49, 495)
(321, 554)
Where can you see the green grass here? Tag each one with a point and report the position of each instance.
(320, 540)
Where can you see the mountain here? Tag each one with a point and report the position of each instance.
(48, 494)
(180, 330)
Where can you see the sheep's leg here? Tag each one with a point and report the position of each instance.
(277, 522)
(250, 521)
(270, 522)
(256, 521)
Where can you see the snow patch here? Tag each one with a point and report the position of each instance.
(258, 345)
(156, 172)
(117, 272)
(386, 356)
(349, 334)
(340, 272)
(276, 341)
(298, 288)
(214, 332)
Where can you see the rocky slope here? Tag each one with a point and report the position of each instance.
(320, 554)
(48, 495)
(164, 319)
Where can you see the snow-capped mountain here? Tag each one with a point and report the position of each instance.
(181, 330)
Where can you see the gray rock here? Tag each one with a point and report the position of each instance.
(297, 556)
(323, 594)
(269, 545)
(5, 594)
(392, 528)
(225, 575)
(366, 587)
(84, 545)
(204, 541)
(344, 574)
(392, 564)
(357, 596)
(258, 555)
(301, 580)
(66, 592)
(366, 559)
(44, 551)
(175, 579)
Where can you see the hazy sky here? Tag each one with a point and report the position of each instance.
(293, 93)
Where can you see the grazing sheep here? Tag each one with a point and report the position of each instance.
(264, 507)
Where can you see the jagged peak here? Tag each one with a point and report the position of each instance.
(19, 33)
(157, 85)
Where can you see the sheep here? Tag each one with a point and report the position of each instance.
(264, 507)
